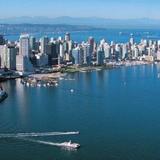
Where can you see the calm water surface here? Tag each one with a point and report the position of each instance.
(117, 112)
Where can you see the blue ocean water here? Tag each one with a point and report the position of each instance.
(116, 111)
(116, 35)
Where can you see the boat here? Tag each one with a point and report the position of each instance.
(3, 95)
(70, 145)
(48, 84)
(44, 85)
(27, 84)
(39, 85)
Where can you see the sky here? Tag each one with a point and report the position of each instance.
(115, 9)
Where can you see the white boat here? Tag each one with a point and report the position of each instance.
(70, 145)
(60, 78)
(27, 84)
(66, 145)
(38, 85)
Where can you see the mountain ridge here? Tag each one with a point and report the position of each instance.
(88, 21)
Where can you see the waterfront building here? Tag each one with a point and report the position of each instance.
(92, 44)
(8, 56)
(107, 50)
(53, 53)
(41, 60)
(118, 52)
(24, 48)
(87, 55)
(70, 46)
(61, 50)
(75, 54)
(33, 44)
(2, 40)
(23, 58)
(124, 51)
(23, 64)
(44, 41)
(81, 55)
(100, 56)
(135, 52)
(66, 47)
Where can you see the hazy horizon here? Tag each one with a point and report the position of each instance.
(123, 9)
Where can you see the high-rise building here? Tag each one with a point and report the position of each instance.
(24, 49)
(87, 54)
(61, 50)
(8, 56)
(100, 56)
(44, 41)
(107, 50)
(33, 44)
(92, 44)
(2, 40)
(3, 50)
(53, 53)
(135, 52)
(23, 59)
(23, 64)
(124, 51)
(75, 54)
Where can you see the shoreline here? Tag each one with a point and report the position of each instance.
(110, 65)
(51, 79)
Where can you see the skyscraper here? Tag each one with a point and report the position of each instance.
(24, 49)
(87, 54)
(100, 56)
(23, 59)
(33, 44)
(91, 43)
(44, 41)
(2, 41)
(75, 54)
(8, 56)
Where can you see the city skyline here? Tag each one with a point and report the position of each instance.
(124, 9)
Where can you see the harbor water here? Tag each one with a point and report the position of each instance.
(116, 111)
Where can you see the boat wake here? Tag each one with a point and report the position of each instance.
(64, 145)
(45, 134)
(42, 142)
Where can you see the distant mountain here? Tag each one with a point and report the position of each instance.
(90, 21)
(11, 29)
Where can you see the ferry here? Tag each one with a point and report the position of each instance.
(3, 95)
